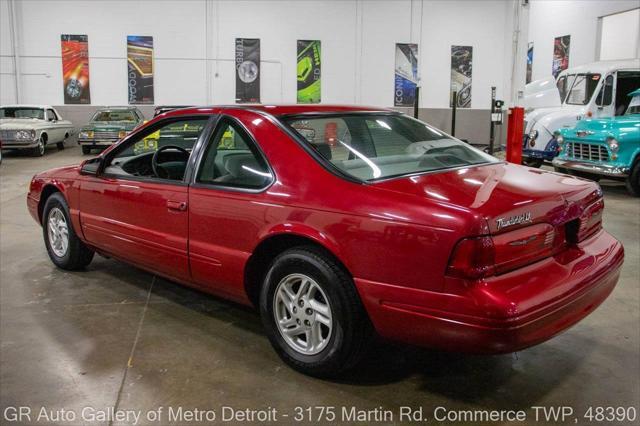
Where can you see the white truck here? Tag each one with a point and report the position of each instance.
(33, 127)
(597, 90)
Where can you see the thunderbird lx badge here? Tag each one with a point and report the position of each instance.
(513, 220)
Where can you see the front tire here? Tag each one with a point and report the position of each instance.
(39, 150)
(312, 313)
(533, 162)
(64, 247)
(633, 180)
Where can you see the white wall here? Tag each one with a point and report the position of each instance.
(579, 18)
(620, 35)
(358, 41)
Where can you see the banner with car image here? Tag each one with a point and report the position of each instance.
(406, 74)
(75, 68)
(247, 70)
(309, 72)
(461, 72)
(140, 69)
(561, 47)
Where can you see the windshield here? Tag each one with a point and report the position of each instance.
(115, 116)
(377, 146)
(22, 113)
(634, 106)
(582, 88)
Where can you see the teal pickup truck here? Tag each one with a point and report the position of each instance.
(107, 126)
(606, 147)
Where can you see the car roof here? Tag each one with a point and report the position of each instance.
(27, 106)
(603, 67)
(117, 108)
(279, 110)
(635, 93)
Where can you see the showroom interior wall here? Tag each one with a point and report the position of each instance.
(578, 18)
(193, 39)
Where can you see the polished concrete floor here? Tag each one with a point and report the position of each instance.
(113, 336)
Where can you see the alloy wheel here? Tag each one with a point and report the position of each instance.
(302, 313)
(58, 232)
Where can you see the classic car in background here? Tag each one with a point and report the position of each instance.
(595, 90)
(107, 126)
(32, 127)
(606, 147)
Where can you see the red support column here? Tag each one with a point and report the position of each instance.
(515, 130)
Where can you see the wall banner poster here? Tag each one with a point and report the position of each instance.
(406, 74)
(309, 72)
(75, 68)
(140, 69)
(561, 47)
(461, 72)
(529, 61)
(247, 70)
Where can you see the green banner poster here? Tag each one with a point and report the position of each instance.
(309, 72)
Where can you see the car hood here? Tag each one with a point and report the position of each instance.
(20, 123)
(503, 191)
(554, 118)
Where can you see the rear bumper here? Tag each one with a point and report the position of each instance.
(505, 313)
(594, 168)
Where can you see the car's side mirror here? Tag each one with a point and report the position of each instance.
(91, 166)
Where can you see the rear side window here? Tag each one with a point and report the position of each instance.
(232, 159)
(378, 146)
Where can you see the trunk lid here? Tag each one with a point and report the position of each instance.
(507, 196)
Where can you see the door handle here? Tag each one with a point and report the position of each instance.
(177, 205)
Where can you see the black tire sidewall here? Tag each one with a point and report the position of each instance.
(633, 180)
(57, 200)
(298, 261)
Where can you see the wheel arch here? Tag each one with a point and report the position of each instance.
(43, 134)
(275, 243)
(47, 191)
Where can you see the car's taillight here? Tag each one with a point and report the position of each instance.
(472, 258)
(591, 220)
(475, 258)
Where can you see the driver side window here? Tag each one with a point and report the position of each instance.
(159, 152)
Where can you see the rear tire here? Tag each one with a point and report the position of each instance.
(334, 307)
(633, 180)
(86, 150)
(64, 247)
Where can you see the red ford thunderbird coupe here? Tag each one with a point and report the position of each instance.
(339, 223)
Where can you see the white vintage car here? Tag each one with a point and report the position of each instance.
(596, 90)
(33, 127)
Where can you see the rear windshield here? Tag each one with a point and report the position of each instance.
(115, 116)
(378, 146)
